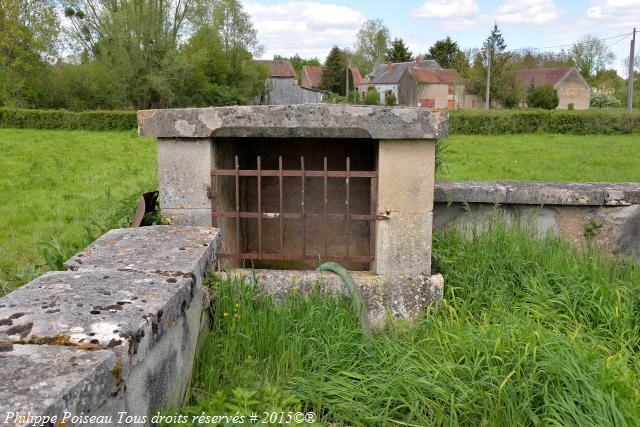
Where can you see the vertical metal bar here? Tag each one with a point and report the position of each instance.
(238, 251)
(348, 183)
(214, 200)
(259, 173)
(324, 176)
(373, 223)
(304, 229)
(281, 207)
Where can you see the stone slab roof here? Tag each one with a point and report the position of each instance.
(299, 120)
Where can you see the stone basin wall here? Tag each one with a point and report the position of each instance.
(114, 336)
(596, 213)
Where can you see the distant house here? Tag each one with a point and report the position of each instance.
(568, 82)
(281, 88)
(435, 88)
(387, 78)
(312, 76)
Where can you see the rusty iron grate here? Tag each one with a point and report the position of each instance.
(347, 174)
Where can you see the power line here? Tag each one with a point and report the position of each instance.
(569, 45)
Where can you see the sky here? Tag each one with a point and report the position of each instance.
(311, 27)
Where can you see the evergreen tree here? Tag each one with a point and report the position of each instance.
(334, 71)
(444, 52)
(505, 88)
(399, 52)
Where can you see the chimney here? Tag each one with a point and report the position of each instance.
(389, 66)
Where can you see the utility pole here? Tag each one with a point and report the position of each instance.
(487, 101)
(348, 68)
(632, 58)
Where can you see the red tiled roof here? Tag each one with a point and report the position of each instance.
(280, 68)
(357, 77)
(543, 76)
(435, 75)
(314, 74)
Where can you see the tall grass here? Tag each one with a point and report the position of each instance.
(530, 332)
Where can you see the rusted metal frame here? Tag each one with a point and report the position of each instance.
(256, 256)
(304, 228)
(325, 195)
(259, 175)
(348, 204)
(294, 173)
(238, 251)
(295, 215)
(281, 179)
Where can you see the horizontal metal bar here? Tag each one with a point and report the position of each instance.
(276, 215)
(257, 256)
(294, 173)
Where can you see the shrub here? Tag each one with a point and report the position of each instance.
(543, 97)
(372, 97)
(551, 121)
(570, 106)
(599, 99)
(60, 119)
(390, 100)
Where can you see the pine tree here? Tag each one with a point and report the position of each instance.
(334, 71)
(444, 52)
(399, 52)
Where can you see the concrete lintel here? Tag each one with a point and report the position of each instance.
(538, 193)
(399, 296)
(301, 120)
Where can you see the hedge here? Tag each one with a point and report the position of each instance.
(460, 121)
(543, 121)
(60, 119)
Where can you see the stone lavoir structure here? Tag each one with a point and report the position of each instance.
(290, 186)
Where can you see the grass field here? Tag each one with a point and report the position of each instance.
(61, 189)
(543, 157)
(531, 332)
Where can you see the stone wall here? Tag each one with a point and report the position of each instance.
(113, 336)
(605, 214)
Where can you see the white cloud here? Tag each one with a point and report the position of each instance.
(450, 14)
(454, 9)
(305, 27)
(466, 14)
(614, 13)
(527, 12)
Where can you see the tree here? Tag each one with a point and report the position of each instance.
(591, 55)
(234, 25)
(600, 100)
(28, 36)
(505, 87)
(335, 68)
(399, 52)
(544, 96)
(444, 52)
(373, 41)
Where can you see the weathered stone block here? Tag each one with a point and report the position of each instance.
(288, 121)
(174, 249)
(51, 380)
